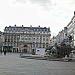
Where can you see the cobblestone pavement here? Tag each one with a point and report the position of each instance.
(12, 64)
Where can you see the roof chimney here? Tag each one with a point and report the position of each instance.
(39, 25)
(22, 25)
(15, 25)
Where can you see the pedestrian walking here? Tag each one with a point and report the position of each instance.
(4, 52)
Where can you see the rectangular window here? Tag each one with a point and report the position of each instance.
(25, 38)
(5, 40)
(43, 39)
(47, 39)
(47, 46)
(43, 45)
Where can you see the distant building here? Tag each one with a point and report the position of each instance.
(67, 35)
(25, 39)
(60, 37)
(1, 40)
(71, 30)
(53, 41)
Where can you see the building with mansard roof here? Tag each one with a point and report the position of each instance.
(25, 39)
(71, 30)
(68, 34)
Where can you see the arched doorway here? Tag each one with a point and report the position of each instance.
(25, 47)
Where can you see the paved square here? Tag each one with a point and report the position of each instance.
(12, 64)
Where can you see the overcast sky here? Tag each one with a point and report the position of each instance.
(55, 14)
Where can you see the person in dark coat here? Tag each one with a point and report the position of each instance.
(4, 52)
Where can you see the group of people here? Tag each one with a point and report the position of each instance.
(3, 52)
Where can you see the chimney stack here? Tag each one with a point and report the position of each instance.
(15, 25)
(22, 25)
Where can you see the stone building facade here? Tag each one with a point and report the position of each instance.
(25, 39)
(68, 34)
(53, 41)
(71, 30)
(1, 40)
(60, 37)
